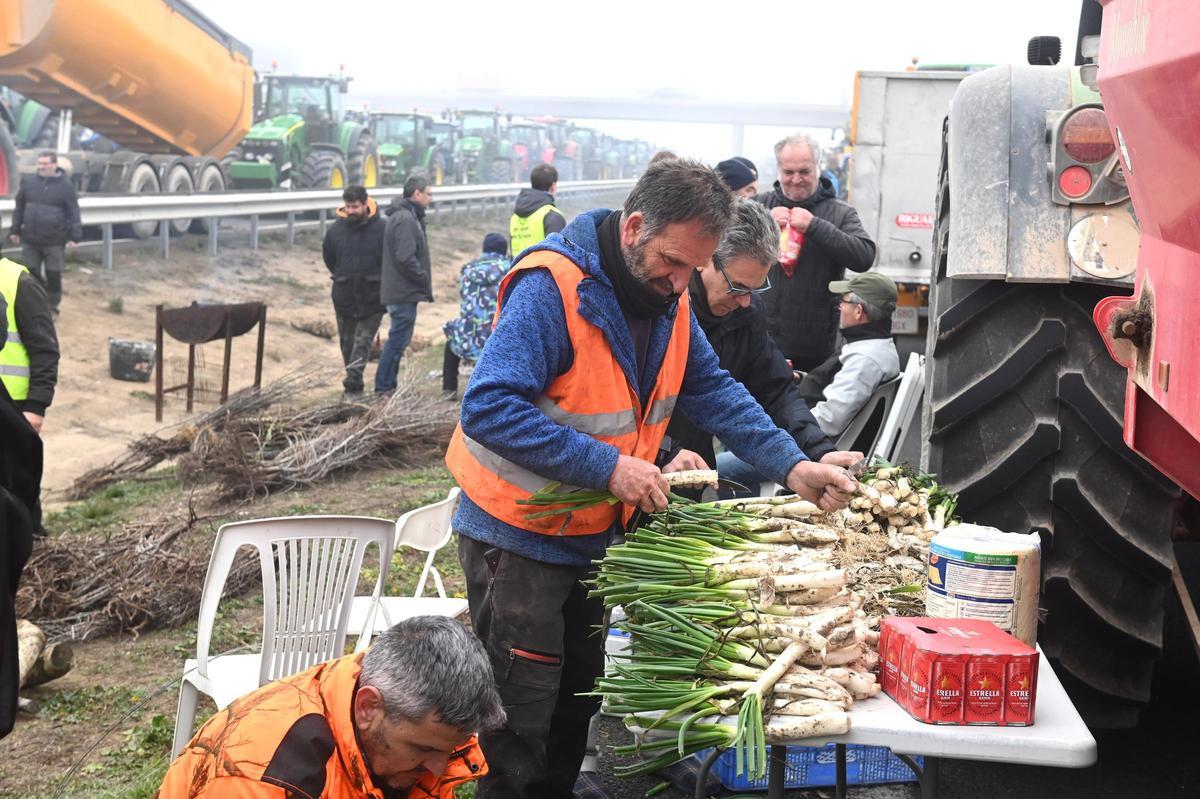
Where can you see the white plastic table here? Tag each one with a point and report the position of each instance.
(1058, 737)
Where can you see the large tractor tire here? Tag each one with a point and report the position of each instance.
(1022, 416)
(212, 179)
(501, 171)
(323, 169)
(143, 179)
(362, 162)
(10, 179)
(438, 171)
(47, 136)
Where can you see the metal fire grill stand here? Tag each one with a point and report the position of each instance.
(200, 324)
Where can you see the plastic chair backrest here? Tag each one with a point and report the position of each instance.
(428, 528)
(864, 428)
(310, 568)
(903, 411)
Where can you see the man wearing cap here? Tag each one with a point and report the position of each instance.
(740, 175)
(838, 388)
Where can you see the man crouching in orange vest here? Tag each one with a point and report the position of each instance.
(594, 346)
(395, 721)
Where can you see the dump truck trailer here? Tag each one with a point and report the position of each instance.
(896, 132)
(156, 77)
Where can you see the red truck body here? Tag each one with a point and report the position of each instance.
(1149, 78)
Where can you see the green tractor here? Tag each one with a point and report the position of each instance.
(483, 149)
(302, 139)
(411, 142)
(446, 134)
(591, 144)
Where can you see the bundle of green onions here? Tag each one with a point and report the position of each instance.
(733, 614)
(570, 500)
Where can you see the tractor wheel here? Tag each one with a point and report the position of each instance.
(178, 180)
(362, 162)
(213, 180)
(9, 177)
(233, 155)
(323, 169)
(501, 171)
(47, 137)
(1022, 416)
(143, 179)
(592, 170)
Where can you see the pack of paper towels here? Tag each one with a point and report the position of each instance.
(978, 572)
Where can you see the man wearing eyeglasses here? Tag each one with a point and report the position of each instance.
(721, 294)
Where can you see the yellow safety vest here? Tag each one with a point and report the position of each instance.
(526, 231)
(14, 358)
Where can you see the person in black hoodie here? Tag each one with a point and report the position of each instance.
(535, 217)
(720, 293)
(801, 314)
(353, 253)
(45, 220)
(407, 275)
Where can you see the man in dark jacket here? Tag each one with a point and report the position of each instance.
(45, 220)
(407, 275)
(801, 313)
(535, 216)
(721, 292)
(353, 252)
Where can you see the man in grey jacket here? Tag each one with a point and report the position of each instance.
(841, 386)
(407, 275)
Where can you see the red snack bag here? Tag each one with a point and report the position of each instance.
(791, 241)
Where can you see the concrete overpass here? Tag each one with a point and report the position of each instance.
(640, 109)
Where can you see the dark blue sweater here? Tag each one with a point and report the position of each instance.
(530, 347)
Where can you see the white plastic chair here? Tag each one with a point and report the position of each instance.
(427, 529)
(866, 425)
(903, 413)
(310, 569)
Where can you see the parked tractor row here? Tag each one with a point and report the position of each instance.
(116, 133)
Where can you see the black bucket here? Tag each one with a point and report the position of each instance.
(131, 360)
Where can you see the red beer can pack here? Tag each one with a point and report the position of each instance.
(958, 671)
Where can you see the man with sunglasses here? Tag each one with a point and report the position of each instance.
(721, 294)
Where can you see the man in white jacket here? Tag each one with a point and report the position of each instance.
(838, 388)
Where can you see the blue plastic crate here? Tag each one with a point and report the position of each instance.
(816, 767)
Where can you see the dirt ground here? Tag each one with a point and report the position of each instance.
(112, 717)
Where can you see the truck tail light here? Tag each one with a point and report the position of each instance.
(1074, 181)
(1086, 138)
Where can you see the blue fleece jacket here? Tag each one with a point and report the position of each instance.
(530, 347)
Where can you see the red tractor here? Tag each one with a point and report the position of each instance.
(1146, 46)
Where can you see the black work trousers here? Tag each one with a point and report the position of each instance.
(541, 631)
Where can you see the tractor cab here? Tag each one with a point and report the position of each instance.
(315, 100)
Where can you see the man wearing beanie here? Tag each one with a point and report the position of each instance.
(740, 175)
(840, 387)
(478, 286)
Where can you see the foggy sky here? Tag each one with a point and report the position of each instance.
(789, 50)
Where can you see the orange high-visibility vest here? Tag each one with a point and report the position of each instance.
(593, 396)
(295, 737)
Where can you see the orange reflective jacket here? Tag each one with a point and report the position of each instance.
(594, 397)
(295, 738)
